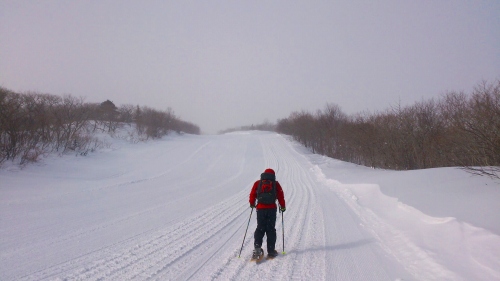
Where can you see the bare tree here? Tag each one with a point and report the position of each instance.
(71, 116)
(483, 127)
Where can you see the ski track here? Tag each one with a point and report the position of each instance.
(205, 245)
(76, 233)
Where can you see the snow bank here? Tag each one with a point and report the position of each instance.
(441, 248)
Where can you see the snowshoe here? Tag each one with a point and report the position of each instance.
(258, 255)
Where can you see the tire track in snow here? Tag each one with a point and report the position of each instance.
(146, 259)
(205, 244)
(154, 258)
(304, 228)
(235, 210)
(308, 221)
(72, 234)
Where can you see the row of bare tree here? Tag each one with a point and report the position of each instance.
(456, 130)
(33, 124)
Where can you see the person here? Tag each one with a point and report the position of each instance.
(265, 192)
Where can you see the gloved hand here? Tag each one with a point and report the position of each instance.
(282, 209)
(252, 206)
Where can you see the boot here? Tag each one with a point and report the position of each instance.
(272, 254)
(257, 253)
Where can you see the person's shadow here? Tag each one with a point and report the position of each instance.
(343, 246)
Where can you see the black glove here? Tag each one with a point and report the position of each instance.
(252, 206)
(282, 209)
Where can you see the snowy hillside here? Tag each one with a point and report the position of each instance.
(177, 209)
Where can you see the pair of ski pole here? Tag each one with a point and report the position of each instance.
(282, 228)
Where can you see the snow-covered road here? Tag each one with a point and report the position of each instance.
(177, 209)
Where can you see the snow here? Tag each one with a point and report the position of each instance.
(177, 209)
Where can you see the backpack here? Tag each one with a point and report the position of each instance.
(266, 192)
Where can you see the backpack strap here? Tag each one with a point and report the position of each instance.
(259, 189)
(274, 191)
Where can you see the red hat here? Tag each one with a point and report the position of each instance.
(269, 171)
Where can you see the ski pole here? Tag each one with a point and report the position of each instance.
(283, 231)
(245, 233)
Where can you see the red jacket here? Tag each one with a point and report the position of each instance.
(279, 195)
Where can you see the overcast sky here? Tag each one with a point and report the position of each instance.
(222, 64)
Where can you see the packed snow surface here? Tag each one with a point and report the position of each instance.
(177, 209)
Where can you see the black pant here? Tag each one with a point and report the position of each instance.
(266, 223)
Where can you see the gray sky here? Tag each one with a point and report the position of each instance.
(222, 64)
